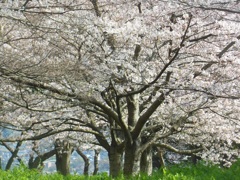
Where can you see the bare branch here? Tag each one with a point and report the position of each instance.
(179, 151)
(96, 8)
(227, 48)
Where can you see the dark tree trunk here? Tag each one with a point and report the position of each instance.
(132, 159)
(86, 162)
(34, 163)
(115, 151)
(161, 159)
(37, 162)
(115, 155)
(195, 159)
(63, 154)
(96, 163)
(95, 5)
(146, 161)
(13, 156)
(133, 154)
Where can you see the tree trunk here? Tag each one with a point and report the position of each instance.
(34, 163)
(133, 154)
(13, 156)
(96, 163)
(63, 154)
(86, 162)
(160, 155)
(132, 159)
(37, 162)
(115, 161)
(195, 159)
(146, 161)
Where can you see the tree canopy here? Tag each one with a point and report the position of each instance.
(129, 74)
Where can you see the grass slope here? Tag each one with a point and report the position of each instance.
(176, 172)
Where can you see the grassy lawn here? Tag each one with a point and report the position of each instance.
(176, 172)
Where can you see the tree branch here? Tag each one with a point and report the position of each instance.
(95, 6)
(201, 38)
(145, 117)
(227, 48)
(179, 151)
(164, 68)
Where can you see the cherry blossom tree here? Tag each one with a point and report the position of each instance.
(132, 74)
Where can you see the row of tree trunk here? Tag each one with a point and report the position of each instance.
(130, 160)
(63, 151)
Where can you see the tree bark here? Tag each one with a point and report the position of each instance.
(14, 154)
(63, 154)
(132, 159)
(34, 163)
(160, 155)
(96, 8)
(195, 159)
(96, 163)
(133, 154)
(86, 162)
(37, 162)
(115, 161)
(146, 161)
